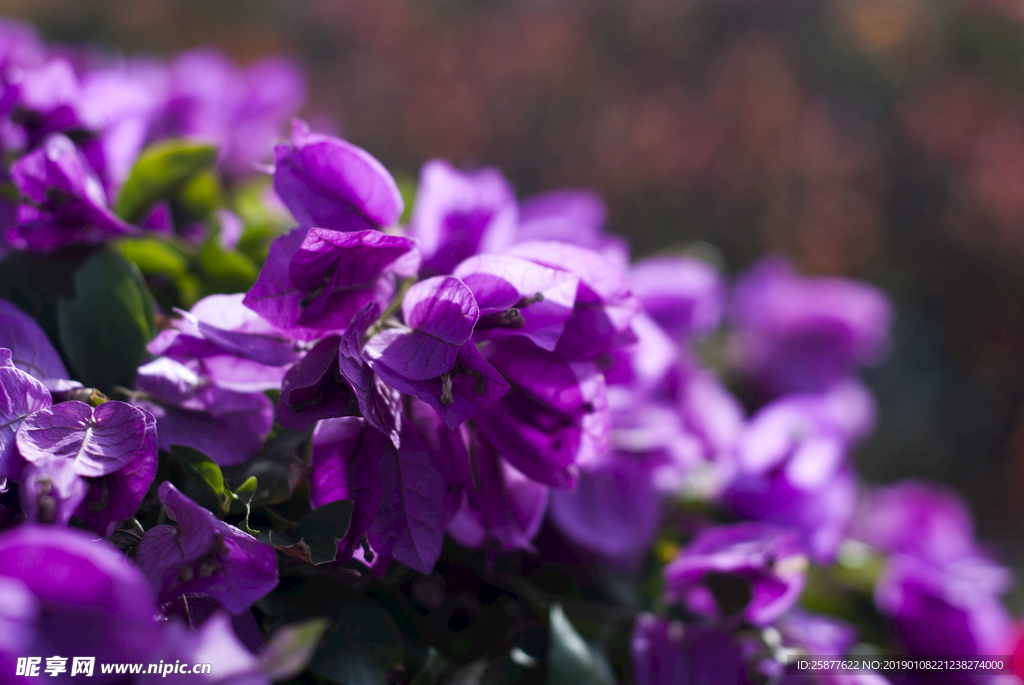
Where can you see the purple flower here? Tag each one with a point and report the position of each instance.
(328, 182)
(947, 609)
(604, 307)
(791, 465)
(570, 216)
(97, 442)
(518, 297)
(667, 652)
(45, 98)
(31, 350)
(683, 294)
(434, 358)
(51, 491)
(70, 595)
(346, 465)
(753, 570)
(63, 201)
(20, 396)
(206, 556)
(315, 280)
(227, 426)
(804, 334)
(459, 214)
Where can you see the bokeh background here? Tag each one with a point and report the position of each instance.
(881, 139)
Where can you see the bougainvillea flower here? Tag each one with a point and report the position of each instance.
(315, 280)
(346, 465)
(191, 411)
(604, 306)
(314, 389)
(75, 596)
(31, 350)
(803, 334)
(328, 182)
(118, 495)
(555, 416)
(97, 440)
(458, 214)
(64, 201)
(206, 556)
(665, 652)
(51, 491)
(792, 470)
(379, 404)
(434, 358)
(952, 608)
(926, 520)
(20, 396)
(753, 570)
(47, 96)
(643, 365)
(570, 216)
(683, 294)
(213, 642)
(519, 297)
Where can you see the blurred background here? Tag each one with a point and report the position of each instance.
(881, 139)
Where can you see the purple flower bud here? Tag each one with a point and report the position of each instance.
(325, 181)
(74, 596)
(460, 214)
(315, 280)
(804, 334)
(604, 307)
(20, 396)
(683, 294)
(63, 200)
(753, 570)
(206, 556)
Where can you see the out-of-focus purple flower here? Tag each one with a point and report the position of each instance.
(315, 280)
(683, 294)
(519, 297)
(434, 358)
(949, 609)
(206, 556)
(328, 182)
(804, 334)
(555, 417)
(604, 306)
(825, 637)
(240, 110)
(20, 396)
(926, 520)
(63, 201)
(45, 98)
(71, 595)
(97, 441)
(458, 214)
(792, 470)
(667, 652)
(644, 364)
(346, 465)
(227, 426)
(571, 216)
(31, 350)
(753, 570)
(214, 642)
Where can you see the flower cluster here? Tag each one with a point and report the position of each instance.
(485, 370)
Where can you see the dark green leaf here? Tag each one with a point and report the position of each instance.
(204, 470)
(315, 538)
(432, 670)
(105, 327)
(291, 647)
(279, 467)
(571, 661)
(162, 170)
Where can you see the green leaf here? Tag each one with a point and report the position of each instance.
(153, 256)
(432, 670)
(226, 272)
(162, 169)
(199, 197)
(291, 647)
(315, 539)
(106, 326)
(571, 661)
(204, 470)
(244, 494)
